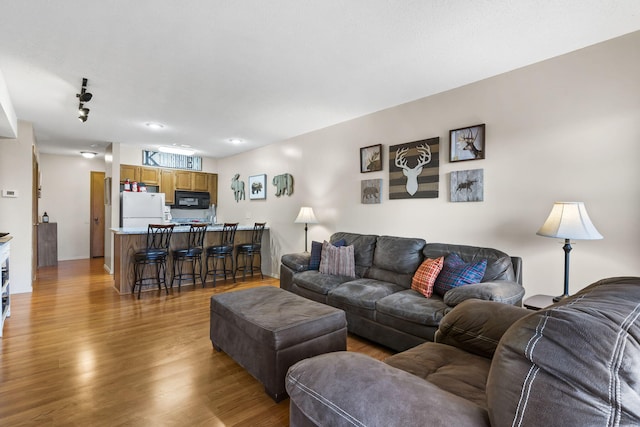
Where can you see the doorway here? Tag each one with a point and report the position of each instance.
(97, 215)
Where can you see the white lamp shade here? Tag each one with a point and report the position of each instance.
(569, 220)
(306, 216)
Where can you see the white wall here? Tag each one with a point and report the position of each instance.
(562, 130)
(66, 190)
(15, 213)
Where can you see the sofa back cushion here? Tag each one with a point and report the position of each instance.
(499, 266)
(576, 363)
(363, 247)
(396, 259)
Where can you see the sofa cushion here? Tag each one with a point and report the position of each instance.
(363, 247)
(410, 306)
(425, 276)
(337, 260)
(455, 272)
(396, 259)
(451, 369)
(360, 295)
(499, 266)
(317, 282)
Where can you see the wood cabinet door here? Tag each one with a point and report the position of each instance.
(168, 186)
(129, 172)
(199, 181)
(183, 180)
(213, 187)
(150, 176)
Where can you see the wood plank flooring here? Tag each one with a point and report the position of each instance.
(76, 353)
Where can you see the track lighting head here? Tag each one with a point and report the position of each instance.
(83, 118)
(83, 97)
(83, 111)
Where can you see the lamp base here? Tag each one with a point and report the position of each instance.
(560, 297)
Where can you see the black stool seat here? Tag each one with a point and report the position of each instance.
(192, 254)
(155, 254)
(220, 253)
(248, 251)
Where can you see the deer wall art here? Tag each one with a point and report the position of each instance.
(414, 169)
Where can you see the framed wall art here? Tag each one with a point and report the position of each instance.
(467, 143)
(414, 169)
(370, 191)
(258, 187)
(371, 158)
(467, 186)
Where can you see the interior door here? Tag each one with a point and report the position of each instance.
(35, 195)
(97, 215)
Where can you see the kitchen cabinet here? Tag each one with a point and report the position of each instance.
(168, 186)
(129, 172)
(47, 244)
(146, 175)
(212, 187)
(200, 181)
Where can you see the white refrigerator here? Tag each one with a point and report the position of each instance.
(141, 209)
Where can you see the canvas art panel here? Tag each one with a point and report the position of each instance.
(467, 143)
(371, 158)
(370, 191)
(258, 187)
(414, 169)
(467, 186)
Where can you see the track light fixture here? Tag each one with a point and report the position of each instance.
(83, 96)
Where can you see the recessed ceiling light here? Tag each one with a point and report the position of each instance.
(154, 126)
(235, 141)
(88, 154)
(176, 150)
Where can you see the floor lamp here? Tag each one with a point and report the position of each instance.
(568, 220)
(306, 216)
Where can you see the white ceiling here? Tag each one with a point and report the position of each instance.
(265, 70)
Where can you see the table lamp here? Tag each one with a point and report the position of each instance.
(568, 220)
(306, 216)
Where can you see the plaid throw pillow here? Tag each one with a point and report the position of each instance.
(455, 272)
(338, 261)
(425, 276)
(316, 253)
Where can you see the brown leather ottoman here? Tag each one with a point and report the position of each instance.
(267, 329)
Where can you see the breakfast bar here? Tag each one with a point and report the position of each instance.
(128, 240)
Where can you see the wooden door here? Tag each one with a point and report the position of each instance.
(35, 195)
(97, 215)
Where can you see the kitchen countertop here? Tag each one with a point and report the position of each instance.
(177, 229)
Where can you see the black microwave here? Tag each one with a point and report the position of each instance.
(192, 200)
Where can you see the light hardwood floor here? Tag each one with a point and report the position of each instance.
(76, 353)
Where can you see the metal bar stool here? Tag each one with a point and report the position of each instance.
(192, 254)
(220, 253)
(247, 252)
(158, 239)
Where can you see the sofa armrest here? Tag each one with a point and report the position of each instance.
(477, 326)
(349, 389)
(297, 262)
(503, 291)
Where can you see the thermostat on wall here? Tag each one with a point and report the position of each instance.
(9, 193)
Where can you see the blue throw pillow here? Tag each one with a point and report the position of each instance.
(455, 272)
(316, 253)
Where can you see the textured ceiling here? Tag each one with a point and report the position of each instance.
(265, 71)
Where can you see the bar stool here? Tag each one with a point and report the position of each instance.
(247, 251)
(221, 252)
(192, 253)
(158, 239)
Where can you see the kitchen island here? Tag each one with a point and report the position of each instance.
(128, 240)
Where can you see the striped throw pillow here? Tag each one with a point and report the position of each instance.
(425, 276)
(455, 272)
(338, 261)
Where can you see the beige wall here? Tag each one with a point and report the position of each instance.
(15, 213)
(66, 190)
(562, 130)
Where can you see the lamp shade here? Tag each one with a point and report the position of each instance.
(306, 216)
(569, 220)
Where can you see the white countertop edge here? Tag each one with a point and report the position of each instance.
(176, 229)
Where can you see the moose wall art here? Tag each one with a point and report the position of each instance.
(238, 187)
(467, 186)
(414, 169)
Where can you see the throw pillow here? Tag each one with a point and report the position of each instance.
(425, 276)
(316, 253)
(337, 260)
(455, 272)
